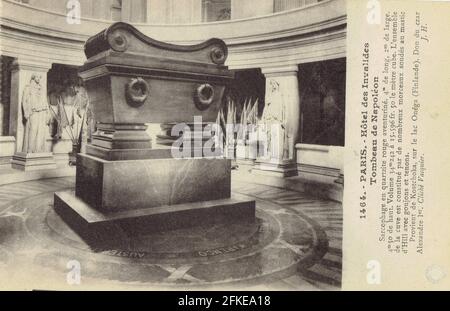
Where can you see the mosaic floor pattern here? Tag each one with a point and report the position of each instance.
(294, 244)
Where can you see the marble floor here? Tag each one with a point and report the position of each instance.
(294, 244)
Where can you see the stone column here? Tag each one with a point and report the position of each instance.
(21, 73)
(245, 9)
(158, 12)
(280, 122)
(134, 11)
(100, 9)
(7, 143)
(1, 95)
(126, 11)
(284, 5)
(174, 11)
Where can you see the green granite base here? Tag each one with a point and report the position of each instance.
(99, 227)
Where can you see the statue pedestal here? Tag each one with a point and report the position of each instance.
(33, 161)
(276, 168)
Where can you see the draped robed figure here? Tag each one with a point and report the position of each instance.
(35, 113)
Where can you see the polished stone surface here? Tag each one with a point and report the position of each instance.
(96, 227)
(127, 154)
(294, 244)
(136, 184)
(172, 75)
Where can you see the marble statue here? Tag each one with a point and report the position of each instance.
(35, 113)
(274, 122)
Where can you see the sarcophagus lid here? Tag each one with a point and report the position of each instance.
(131, 78)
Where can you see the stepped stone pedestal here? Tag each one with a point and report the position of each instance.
(125, 182)
(33, 161)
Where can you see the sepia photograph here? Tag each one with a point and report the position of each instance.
(194, 144)
(204, 145)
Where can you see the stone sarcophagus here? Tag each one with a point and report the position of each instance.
(126, 181)
(132, 80)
